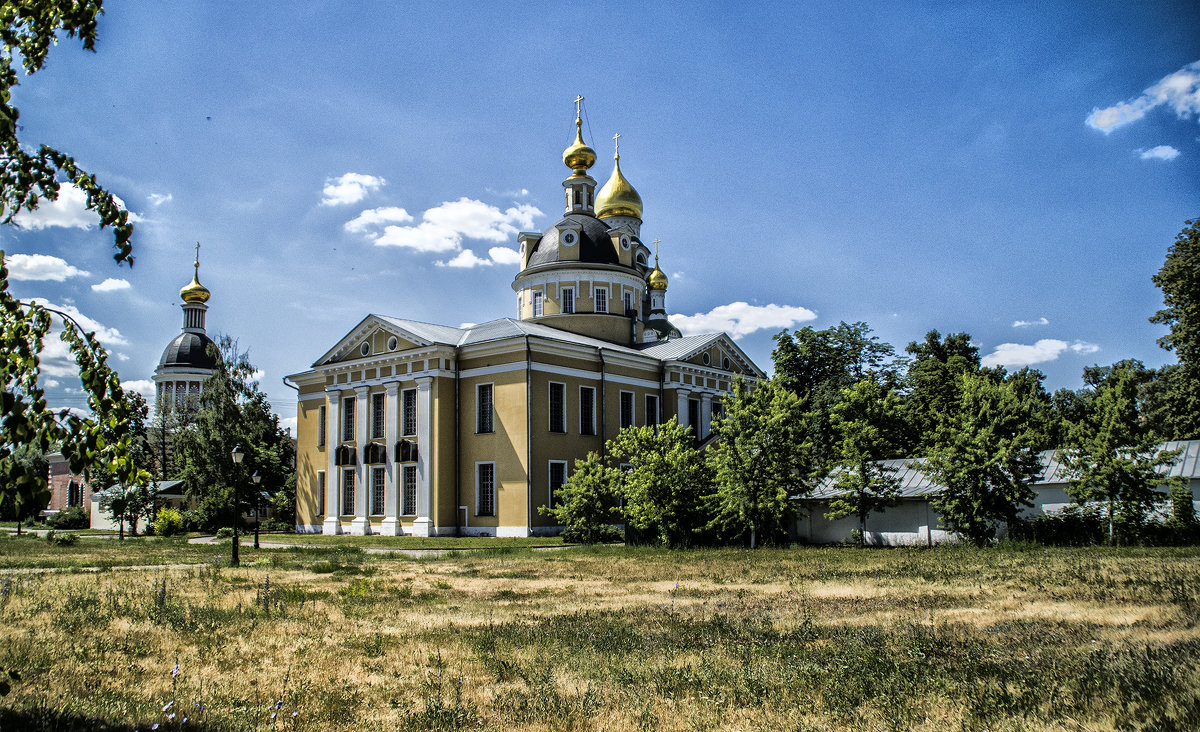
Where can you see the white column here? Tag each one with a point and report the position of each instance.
(361, 525)
(423, 525)
(705, 415)
(391, 499)
(682, 409)
(333, 478)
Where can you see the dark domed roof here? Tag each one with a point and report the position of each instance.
(190, 350)
(596, 246)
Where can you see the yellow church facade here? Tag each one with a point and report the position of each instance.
(410, 428)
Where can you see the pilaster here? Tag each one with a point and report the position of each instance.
(333, 478)
(705, 416)
(423, 525)
(361, 525)
(391, 499)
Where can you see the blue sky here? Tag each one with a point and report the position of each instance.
(1015, 171)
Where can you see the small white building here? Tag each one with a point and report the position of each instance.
(915, 522)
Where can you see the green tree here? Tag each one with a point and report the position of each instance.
(932, 382)
(589, 502)
(1179, 280)
(865, 420)
(663, 480)
(28, 29)
(763, 460)
(32, 461)
(1112, 456)
(985, 455)
(128, 504)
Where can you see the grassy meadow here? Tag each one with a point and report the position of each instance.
(607, 638)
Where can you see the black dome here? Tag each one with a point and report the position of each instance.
(189, 349)
(595, 244)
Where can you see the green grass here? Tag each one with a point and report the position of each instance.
(415, 542)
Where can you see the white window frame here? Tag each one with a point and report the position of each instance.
(479, 487)
(538, 305)
(348, 407)
(562, 408)
(566, 296)
(322, 415)
(408, 412)
(347, 491)
(378, 410)
(408, 489)
(320, 492)
(621, 409)
(378, 491)
(550, 479)
(491, 416)
(652, 416)
(586, 429)
(627, 301)
(596, 299)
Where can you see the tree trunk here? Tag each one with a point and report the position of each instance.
(752, 537)
(1112, 539)
(122, 524)
(18, 527)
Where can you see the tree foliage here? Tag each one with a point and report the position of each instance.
(933, 382)
(1179, 280)
(985, 455)
(866, 420)
(589, 502)
(763, 458)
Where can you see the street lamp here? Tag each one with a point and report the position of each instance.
(257, 479)
(239, 453)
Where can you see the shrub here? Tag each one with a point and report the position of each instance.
(224, 533)
(69, 518)
(1072, 526)
(595, 535)
(169, 522)
(58, 539)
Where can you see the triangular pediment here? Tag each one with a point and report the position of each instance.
(719, 347)
(373, 336)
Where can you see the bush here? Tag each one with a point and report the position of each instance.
(69, 518)
(594, 535)
(1072, 526)
(224, 533)
(276, 525)
(58, 539)
(169, 522)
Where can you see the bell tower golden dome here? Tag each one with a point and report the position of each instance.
(618, 197)
(194, 292)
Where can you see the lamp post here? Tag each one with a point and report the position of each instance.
(257, 478)
(238, 454)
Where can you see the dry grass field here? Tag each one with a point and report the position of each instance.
(607, 639)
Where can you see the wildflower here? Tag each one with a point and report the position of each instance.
(175, 671)
(168, 705)
(272, 715)
(154, 726)
(295, 714)
(171, 716)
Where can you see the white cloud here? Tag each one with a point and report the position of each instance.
(739, 319)
(112, 284)
(373, 217)
(1180, 91)
(145, 387)
(51, 383)
(122, 357)
(1161, 152)
(1016, 355)
(40, 267)
(443, 228)
(350, 188)
(158, 199)
(258, 375)
(288, 423)
(504, 255)
(56, 358)
(496, 255)
(1027, 323)
(69, 210)
(464, 326)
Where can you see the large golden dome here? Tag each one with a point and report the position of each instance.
(579, 157)
(617, 197)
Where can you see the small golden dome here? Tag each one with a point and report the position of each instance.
(617, 197)
(657, 280)
(579, 157)
(194, 291)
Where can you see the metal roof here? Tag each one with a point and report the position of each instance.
(916, 484)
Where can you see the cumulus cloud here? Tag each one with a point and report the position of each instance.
(288, 423)
(41, 267)
(112, 284)
(496, 255)
(158, 199)
(504, 255)
(374, 217)
(350, 188)
(51, 383)
(258, 375)
(1016, 355)
(56, 358)
(1180, 91)
(1161, 152)
(740, 319)
(443, 228)
(145, 387)
(1027, 323)
(69, 211)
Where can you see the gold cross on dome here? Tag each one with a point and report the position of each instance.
(617, 143)
(197, 263)
(656, 250)
(578, 106)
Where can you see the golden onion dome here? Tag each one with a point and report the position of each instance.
(579, 157)
(617, 197)
(193, 291)
(657, 279)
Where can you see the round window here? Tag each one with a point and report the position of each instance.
(624, 242)
(568, 238)
(393, 342)
(365, 349)
(706, 359)
(725, 363)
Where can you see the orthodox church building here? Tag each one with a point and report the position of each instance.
(413, 428)
(186, 362)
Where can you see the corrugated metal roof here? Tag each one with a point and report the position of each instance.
(677, 348)
(915, 484)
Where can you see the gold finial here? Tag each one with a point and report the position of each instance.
(657, 279)
(656, 252)
(579, 157)
(194, 292)
(617, 146)
(197, 262)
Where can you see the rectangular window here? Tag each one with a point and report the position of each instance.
(568, 299)
(537, 303)
(652, 409)
(587, 410)
(694, 417)
(408, 497)
(378, 485)
(626, 409)
(347, 492)
(321, 417)
(378, 415)
(320, 492)
(558, 476)
(348, 420)
(601, 300)
(485, 489)
(628, 297)
(558, 407)
(484, 408)
(409, 398)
